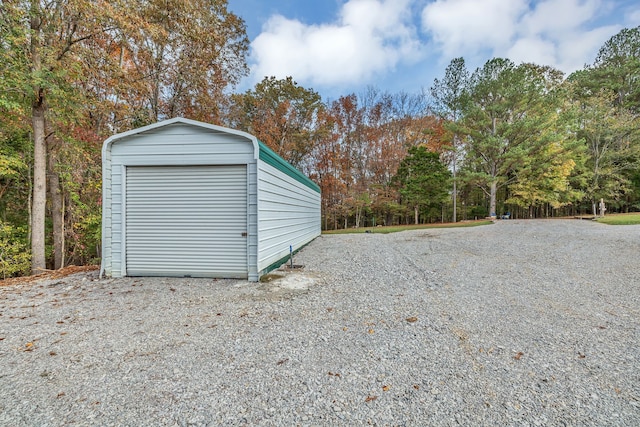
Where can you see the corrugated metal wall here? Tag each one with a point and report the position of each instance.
(288, 214)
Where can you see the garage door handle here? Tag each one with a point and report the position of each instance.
(244, 234)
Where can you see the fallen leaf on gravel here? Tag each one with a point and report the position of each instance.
(334, 375)
(60, 394)
(52, 353)
(329, 309)
(28, 346)
(386, 388)
(412, 319)
(345, 328)
(370, 398)
(581, 355)
(49, 274)
(416, 386)
(518, 355)
(371, 331)
(280, 362)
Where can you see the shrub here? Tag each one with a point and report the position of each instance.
(15, 256)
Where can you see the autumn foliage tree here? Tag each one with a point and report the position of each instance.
(281, 114)
(60, 60)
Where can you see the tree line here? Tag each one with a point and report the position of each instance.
(522, 138)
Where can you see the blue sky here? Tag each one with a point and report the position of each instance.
(338, 47)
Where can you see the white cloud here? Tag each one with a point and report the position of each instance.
(533, 49)
(462, 26)
(633, 18)
(559, 17)
(547, 32)
(582, 47)
(369, 37)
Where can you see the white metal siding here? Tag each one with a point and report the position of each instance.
(288, 214)
(186, 221)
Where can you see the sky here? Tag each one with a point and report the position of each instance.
(340, 47)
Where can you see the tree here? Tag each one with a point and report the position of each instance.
(422, 180)
(281, 114)
(607, 130)
(507, 115)
(448, 95)
(40, 40)
(176, 58)
(617, 68)
(608, 97)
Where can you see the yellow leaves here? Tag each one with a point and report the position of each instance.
(412, 319)
(371, 331)
(370, 398)
(518, 355)
(386, 388)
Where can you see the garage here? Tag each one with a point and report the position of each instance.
(183, 198)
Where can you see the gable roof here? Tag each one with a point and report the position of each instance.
(106, 147)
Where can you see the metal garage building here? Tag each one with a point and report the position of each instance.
(186, 198)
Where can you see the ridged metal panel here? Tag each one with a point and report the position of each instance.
(186, 221)
(288, 214)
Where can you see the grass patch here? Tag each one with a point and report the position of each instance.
(396, 228)
(621, 219)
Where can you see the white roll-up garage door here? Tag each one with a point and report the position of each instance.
(186, 221)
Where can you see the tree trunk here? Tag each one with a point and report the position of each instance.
(455, 198)
(492, 198)
(455, 189)
(57, 213)
(415, 213)
(39, 200)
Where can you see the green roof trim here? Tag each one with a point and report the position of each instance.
(268, 156)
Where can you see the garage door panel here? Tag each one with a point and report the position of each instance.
(186, 221)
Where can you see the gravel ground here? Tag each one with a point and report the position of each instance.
(517, 323)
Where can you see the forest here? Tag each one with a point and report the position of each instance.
(519, 138)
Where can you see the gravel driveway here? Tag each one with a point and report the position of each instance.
(516, 323)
